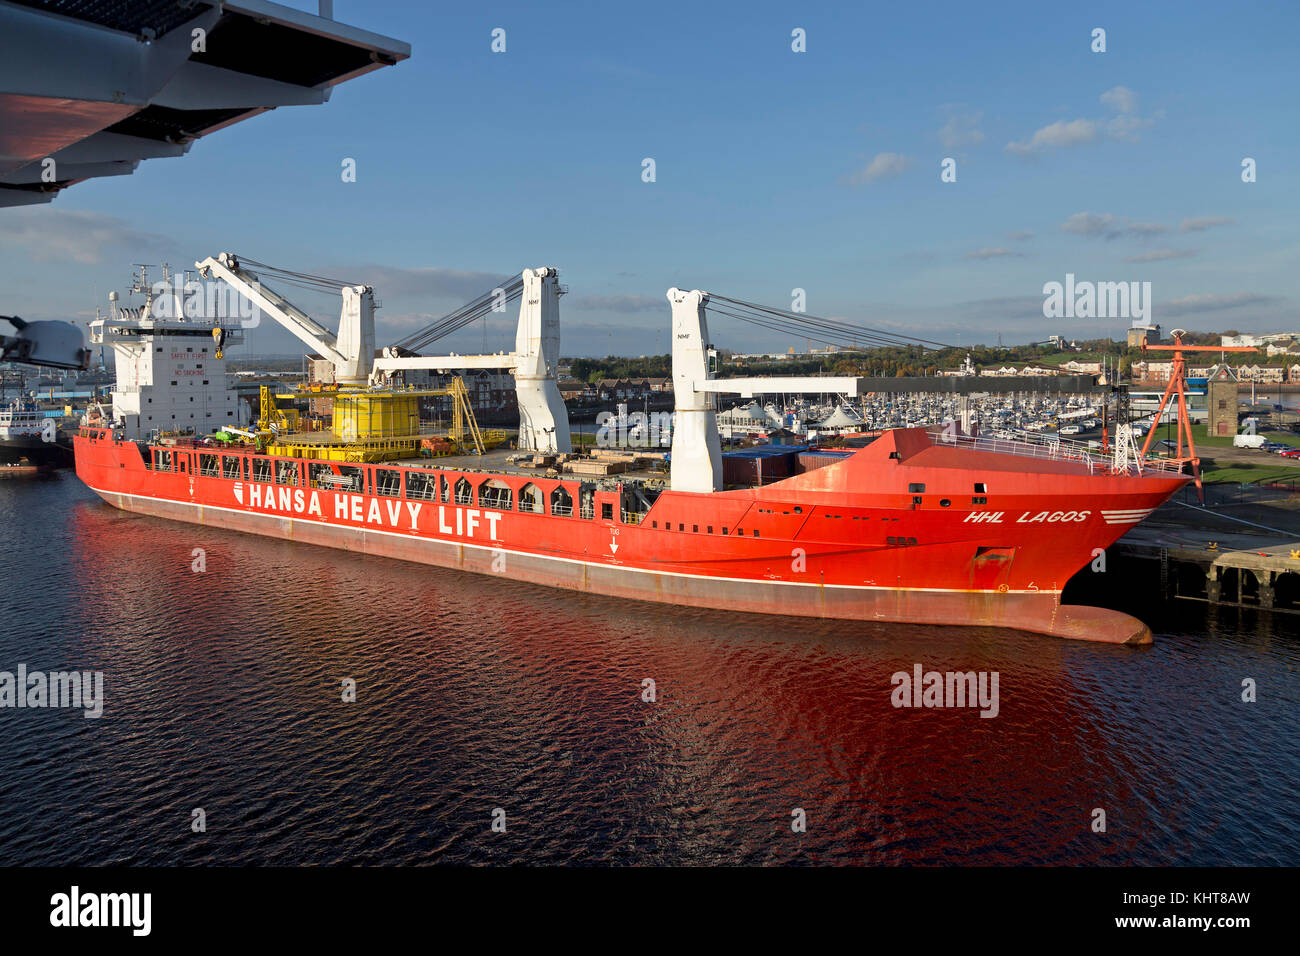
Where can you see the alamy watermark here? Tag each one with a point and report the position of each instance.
(76, 909)
(210, 299)
(1096, 300)
(622, 429)
(925, 689)
(65, 689)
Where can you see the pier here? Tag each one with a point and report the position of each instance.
(1241, 551)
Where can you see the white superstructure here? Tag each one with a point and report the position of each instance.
(21, 419)
(169, 376)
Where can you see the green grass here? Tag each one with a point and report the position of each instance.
(1246, 474)
(1054, 359)
(1202, 438)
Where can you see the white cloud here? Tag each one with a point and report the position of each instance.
(991, 252)
(960, 128)
(1126, 127)
(1145, 229)
(1203, 223)
(1213, 302)
(1121, 99)
(1062, 134)
(620, 303)
(1159, 255)
(1110, 226)
(1020, 235)
(74, 236)
(427, 282)
(1089, 224)
(1058, 135)
(884, 166)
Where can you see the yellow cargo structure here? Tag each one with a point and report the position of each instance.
(372, 425)
(363, 415)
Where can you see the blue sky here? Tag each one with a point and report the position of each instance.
(775, 170)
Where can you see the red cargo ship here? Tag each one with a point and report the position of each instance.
(954, 530)
(911, 528)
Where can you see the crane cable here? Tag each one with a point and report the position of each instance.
(812, 326)
(505, 292)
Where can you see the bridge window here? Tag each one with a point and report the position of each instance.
(208, 466)
(444, 489)
(162, 460)
(230, 467)
(261, 470)
(606, 511)
(464, 492)
(980, 489)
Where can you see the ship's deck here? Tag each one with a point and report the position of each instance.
(497, 461)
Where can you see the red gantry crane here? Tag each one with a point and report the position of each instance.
(1178, 387)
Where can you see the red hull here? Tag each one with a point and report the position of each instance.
(904, 530)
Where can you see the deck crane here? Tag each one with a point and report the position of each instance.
(696, 463)
(697, 451)
(351, 350)
(543, 419)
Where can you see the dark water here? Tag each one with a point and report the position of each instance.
(223, 692)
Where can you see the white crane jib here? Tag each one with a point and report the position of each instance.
(697, 450)
(543, 418)
(351, 351)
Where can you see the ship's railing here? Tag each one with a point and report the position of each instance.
(633, 517)
(1051, 448)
